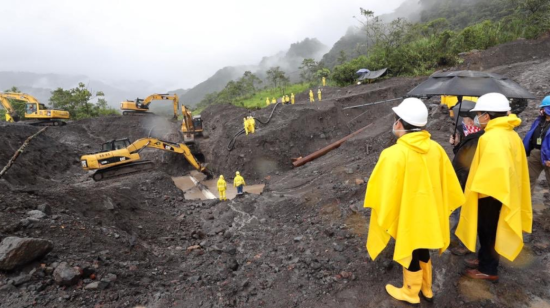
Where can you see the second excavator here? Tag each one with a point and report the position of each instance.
(121, 157)
(191, 126)
(141, 106)
(33, 110)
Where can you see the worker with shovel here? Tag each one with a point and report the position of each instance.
(412, 191)
(239, 183)
(498, 199)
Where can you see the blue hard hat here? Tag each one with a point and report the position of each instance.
(545, 102)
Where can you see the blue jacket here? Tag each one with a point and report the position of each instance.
(545, 147)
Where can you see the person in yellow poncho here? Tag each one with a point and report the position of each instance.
(412, 191)
(239, 182)
(222, 186)
(251, 124)
(273, 101)
(311, 97)
(245, 124)
(292, 98)
(319, 94)
(498, 200)
(267, 101)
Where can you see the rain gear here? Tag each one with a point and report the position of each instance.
(222, 186)
(324, 81)
(319, 94)
(287, 99)
(246, 125)
(311, 97)
(267, 101)
(238, 181)
(545, 146)
(292, 98)
(251, 124)
(412, 191)
(499, 170)
(273, 101)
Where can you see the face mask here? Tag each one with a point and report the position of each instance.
(476, 121)
(394, 131)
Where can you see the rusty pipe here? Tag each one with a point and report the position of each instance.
(326, 149)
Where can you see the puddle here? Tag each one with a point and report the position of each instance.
(475, 290)
(209, 188)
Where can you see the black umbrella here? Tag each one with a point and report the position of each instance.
(469, 83)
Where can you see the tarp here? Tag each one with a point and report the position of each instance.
(362, 71)
(469, 83)
(373, 74)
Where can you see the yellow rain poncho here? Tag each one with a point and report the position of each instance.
(499, 170)
(292, 98)
(412, 191)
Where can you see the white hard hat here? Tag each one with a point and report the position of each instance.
(492, 102)
(413, 111)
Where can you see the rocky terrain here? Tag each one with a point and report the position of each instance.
(67, 241)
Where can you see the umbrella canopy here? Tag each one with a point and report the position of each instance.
(362, 71)
(469, 83)
(373, 74)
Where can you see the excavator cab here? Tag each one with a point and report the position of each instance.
(197, 123)
(115, 144)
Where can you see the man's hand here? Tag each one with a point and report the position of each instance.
(454, 140)
(547, 163)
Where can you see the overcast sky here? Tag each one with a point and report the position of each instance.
(172, 44)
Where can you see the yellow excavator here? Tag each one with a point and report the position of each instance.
(191, 126)
(33, 110)
(120, 157)
(141, 106)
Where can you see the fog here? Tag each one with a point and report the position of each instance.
(172, 44)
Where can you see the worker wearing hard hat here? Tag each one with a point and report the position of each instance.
(537, 145)
(412, 191)
(311, 97)
(498, 200)
(292, 98)
(319, 94)
(251, 124)
(465, 144)
(239, 183)
(222, 186)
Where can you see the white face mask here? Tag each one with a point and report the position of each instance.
(476, 121)
(394, 131)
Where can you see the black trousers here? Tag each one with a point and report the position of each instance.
(487, 223)
(419, 255)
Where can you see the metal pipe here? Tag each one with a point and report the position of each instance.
(375, 103)
(326, 149)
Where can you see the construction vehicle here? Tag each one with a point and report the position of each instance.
(121, 157)
(191, 126)
(141, 106)
(33, 110)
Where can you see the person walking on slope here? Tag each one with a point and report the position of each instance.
(222, 186)
(287, 99)
(537, 145)
(267, 101)
(239, 183)
(324, 80)
(319, 94)
(292, 98)
(251, 124)
(412, 191)
(465, 144)
(273, 101)
(498, 200)
(311, 97)
(246, 125)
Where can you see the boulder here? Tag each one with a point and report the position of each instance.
(16, 251)
(36, 215)
(65, 275)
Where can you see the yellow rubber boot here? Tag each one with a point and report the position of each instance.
(412, 282)
(427, 280)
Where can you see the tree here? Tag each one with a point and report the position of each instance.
(76, 101)
(13, 89)
(308, 69)
(342, 58)
(276, 76)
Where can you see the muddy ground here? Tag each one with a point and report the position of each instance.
(299, 244)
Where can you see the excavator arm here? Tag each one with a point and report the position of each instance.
(11, 113)
(142, 105)
(35, 110)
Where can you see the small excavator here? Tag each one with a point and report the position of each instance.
(191, 126)
(141, 106)
(120, 157)
(34, 110)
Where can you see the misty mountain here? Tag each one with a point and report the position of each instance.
(40, 86)
(288, 61)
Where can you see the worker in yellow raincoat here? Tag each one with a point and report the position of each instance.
(273, 101)
(222, 186)
(287, 99)
(324, 82)
(239, 183)
(311, 97)
(498, 200)
(412, 191)
(292, 98)
(251, 124)
(283, 100)
(319, 94)
(267, 101)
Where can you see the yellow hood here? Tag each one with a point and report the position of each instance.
(412, 191)
(499, 170)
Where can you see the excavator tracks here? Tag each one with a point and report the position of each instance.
(137, 114)
(122, 170)
(48, 123)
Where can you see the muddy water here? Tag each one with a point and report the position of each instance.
(209, 188)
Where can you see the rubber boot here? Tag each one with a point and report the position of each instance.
(412, 282)
(427, 280)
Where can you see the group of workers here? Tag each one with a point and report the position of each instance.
(249, 125)
(414, 188)
(285, 99)
(238, 182)
(312, 97)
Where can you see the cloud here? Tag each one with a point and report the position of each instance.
(169, 43)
